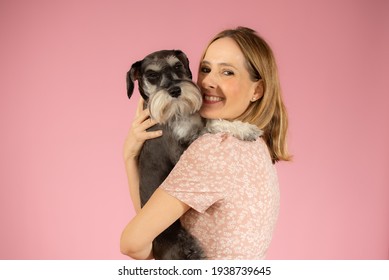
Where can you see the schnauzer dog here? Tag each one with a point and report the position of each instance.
(165, 83)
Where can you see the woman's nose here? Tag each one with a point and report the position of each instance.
(207, 81)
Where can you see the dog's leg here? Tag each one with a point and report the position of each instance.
(175, 243)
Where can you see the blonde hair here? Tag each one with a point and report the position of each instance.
(269, 112)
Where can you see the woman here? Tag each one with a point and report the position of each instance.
(224, 190)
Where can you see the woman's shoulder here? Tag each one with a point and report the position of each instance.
(222, 134)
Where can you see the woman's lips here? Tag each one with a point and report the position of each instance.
(210, 99)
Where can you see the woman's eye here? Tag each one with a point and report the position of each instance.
(228, 73)
(205, 70)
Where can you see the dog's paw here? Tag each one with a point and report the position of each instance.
(240, 130)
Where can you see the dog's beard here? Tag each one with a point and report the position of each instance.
(163, 107)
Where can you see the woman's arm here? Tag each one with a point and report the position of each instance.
(132, 147)
(133, 182)
(158, 213)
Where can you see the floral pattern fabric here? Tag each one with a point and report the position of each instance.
(232, 188)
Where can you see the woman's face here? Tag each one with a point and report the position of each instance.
(225, 81)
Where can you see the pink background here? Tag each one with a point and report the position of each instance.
(64, 115)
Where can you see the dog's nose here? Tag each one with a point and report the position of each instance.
(175, 91)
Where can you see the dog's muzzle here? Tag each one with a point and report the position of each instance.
(174, 91)
(178, 101)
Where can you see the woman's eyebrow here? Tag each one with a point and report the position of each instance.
(225, 64)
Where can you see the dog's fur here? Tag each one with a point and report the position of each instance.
(240, 130)
(165, 83)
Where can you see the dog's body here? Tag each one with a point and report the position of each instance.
(165, 83)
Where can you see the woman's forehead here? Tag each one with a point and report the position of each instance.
(224, 52)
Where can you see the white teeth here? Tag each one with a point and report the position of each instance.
(212, 98)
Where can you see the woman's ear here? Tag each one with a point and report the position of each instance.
(258, 93)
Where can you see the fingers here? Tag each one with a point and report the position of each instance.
(140, 114)
(146, 135)
(139, 109)
(142, 117)
(145, 116)
(146, 124)
(138, 133)
(142, 122)
(140, 130)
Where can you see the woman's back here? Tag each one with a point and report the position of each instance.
(232, 188)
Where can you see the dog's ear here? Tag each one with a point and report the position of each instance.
(184, 59)
(132, 75)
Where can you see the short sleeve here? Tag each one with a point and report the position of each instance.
(198, 179)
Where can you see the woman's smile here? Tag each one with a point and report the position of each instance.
(211, 99)
(225, 81)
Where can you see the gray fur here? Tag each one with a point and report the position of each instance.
(238, 129)
(164, 80)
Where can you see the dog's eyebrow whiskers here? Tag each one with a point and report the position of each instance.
(172, 60)
(154, 67)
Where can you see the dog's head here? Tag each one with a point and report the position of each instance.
(165, 83)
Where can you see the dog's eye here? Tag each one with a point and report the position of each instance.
(152, 75)
(178, 66)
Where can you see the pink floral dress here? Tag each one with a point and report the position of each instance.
(232, 188)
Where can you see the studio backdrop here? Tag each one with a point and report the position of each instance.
(64, 115)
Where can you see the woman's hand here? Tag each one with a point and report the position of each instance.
(138, 134)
